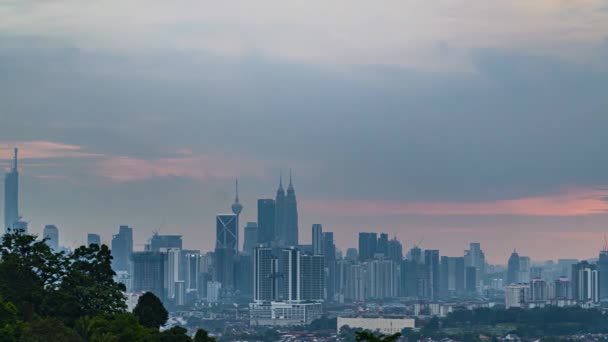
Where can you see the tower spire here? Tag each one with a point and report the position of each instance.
(236, 198)
(15, 159)
(236, 207)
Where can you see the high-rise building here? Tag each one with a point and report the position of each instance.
(357, 286)
(382, 279)
(515, 295)
(471, 279)
(382, 247)
(192, 263)
(280, 215)
(265, 269)
(237, 207)
(452, 276)
(475, 257)
(412, 279)
(171, 270)
(431, 264)
(51, 235)
(122, 248)
(524, 269)
(415, 254)
(251, 237)
(289, 264)
(343, 277)
(395, 250)
(602, 267)
(11, 196)
(243, 277)
(225, 249)
(352, 254)
(538, 290)
(149, 272)
(93, 239)
(267, 226)
(562, 288)
(313, 277)
(585, 282)
(317, 239)
(158, 242)
(291, 216)
(329, 253)
(368, 244)
(513, 268)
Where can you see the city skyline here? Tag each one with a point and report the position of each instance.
(447, 122)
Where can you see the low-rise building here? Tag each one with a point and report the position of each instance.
(284, 313)
(386, 326)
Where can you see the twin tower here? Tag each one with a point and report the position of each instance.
(278, 218)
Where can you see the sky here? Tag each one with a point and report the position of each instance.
(439, 122)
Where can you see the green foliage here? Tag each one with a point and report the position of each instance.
(175, 334)
(367, 336)
(150, 311)
(203, 336)
(48, 329)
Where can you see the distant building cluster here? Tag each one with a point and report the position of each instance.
(288, 283)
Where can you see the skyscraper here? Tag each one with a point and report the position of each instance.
(395, 250)
(313, 277)
(382, 279)
(237, 207)
(267, 226)
(280, 215)
(329, 253)
(513, 268)
(289, 263)
(251, 232)
(602, 267)
(93, 239)
(382, 247)
(265, 269)
(431, 263)
(51, 234)
(11, 196)
(158, 242)
(368, 243)
(317, 239)
(291, 216)
(452, 276)
(172, 270)
(122, 248)
(585, 282)
(225, 249)
(475, 257)
(149, 272)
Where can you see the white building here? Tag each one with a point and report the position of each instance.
(213, 291)
(515, 296)
(386, 326)
(283, 313)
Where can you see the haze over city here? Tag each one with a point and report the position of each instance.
(418, 119)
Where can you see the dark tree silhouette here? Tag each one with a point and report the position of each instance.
(203, 336)
(150, 311)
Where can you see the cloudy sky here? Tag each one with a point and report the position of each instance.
(437, 121)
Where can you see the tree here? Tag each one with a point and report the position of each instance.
(49, 329)
(203, 336)
(88, 287)
(150, 311)
(175, 334)
(367, 336)
(116, 327)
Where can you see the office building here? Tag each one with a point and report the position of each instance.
(313, 277)
(382, 282)
(159, 242)
(251, 233)
(352, 254)
(513, 269)
(452, 276)
(317, 239)
(368, 243)
(415, 254)
(515, 295)
(585, 282)
(395, 250)
(243, 278)
(382, 246)
(470, 279)
(357, 290)
(602, 268)
(225, 249)
(290, 268)
(171, 270)
(11, 196)
(122, 248)
(524, 269)
(329, 253)
(265, 280)
(93, 239)
(266, 221)
(431, 263)
(192, 268)
(149, 272)
(291, 231)
(475, 257)
(287, 314)
(412, 279)
(51, 235)
(538, 290)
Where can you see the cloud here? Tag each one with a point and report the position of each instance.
(198, 168)
(44, 150)
(571, 202)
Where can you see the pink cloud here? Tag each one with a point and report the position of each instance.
(200, 168)
(569, 202)
(40, 149)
